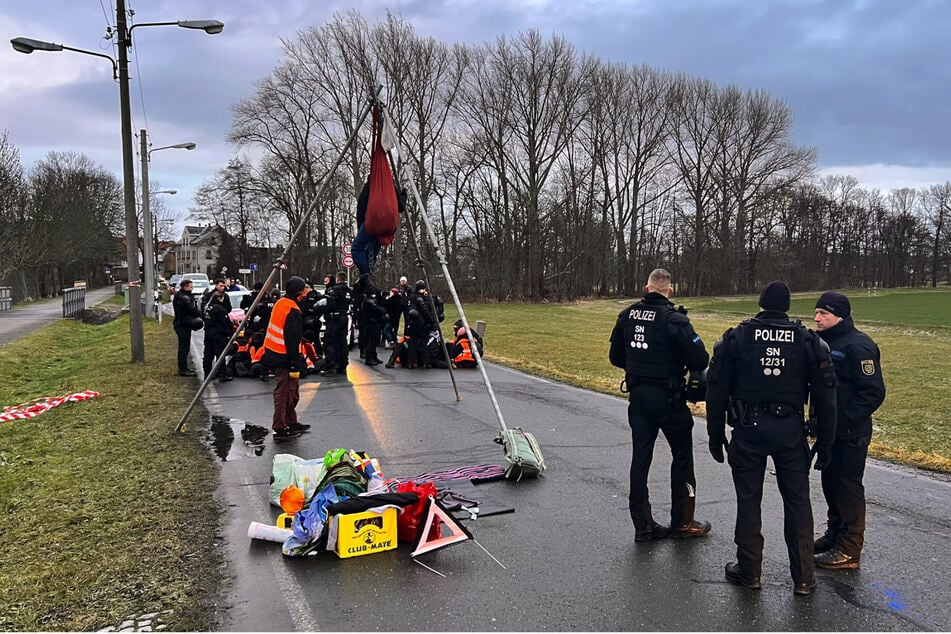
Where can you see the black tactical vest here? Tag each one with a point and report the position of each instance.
(771, 362)
(649, 351)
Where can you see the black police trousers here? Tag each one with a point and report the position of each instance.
(783, 439)
(845, 494)
(652, 409)
(184, 345)
(335, 343)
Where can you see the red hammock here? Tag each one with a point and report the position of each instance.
(382, 214)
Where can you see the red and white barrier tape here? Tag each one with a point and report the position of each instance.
(39, 405)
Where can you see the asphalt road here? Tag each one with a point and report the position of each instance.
(570, 559)
(25, 319)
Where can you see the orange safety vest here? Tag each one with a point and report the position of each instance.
(274, 340)
(466, 355)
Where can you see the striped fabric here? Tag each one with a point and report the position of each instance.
(477, 473)
(39, 405)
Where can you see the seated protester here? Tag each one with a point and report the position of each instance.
(366, 248)
(373, 317)
(218, 329)
(460, 350)
(309, 353)
(400, 353)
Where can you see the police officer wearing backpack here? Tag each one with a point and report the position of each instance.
(762, 373)
(656, 345)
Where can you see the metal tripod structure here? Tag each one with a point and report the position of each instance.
(374, 101)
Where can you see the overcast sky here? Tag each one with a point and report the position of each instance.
(868, 82)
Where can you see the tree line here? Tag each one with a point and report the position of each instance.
(549, 173)
(61, 221)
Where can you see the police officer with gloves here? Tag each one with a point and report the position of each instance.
(762, 373)
(860, 391)
(656, 345)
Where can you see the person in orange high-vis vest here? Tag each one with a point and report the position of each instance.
(282, 355)
(460, 349)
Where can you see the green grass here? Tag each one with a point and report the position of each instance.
(569, 343)
(105, 511)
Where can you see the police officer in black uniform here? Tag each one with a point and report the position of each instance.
(335, 304)
(656, 345)
(761, 375)
(860, 391)
(186, 314)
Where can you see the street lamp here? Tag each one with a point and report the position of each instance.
(121, 69)
(148, 253)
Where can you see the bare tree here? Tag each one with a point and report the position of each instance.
(937, 208)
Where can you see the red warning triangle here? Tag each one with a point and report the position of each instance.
(436, 513)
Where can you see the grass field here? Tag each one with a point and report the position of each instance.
(105, 511)
(569, 343)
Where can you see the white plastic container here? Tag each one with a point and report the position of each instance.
(268, 532)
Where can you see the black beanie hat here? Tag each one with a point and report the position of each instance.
(294, 287)
(420, 285)
(836, 303)
(775, 297)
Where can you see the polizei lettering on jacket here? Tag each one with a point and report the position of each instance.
(642, 315)
(774, 336)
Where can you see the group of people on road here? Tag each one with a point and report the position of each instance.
(285, 333)
(775, 383)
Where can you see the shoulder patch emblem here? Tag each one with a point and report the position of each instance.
(868, 367)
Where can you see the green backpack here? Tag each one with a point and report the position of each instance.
(523, 456)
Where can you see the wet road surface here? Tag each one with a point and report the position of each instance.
(570, 559)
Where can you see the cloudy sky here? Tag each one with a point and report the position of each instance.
(868, 81)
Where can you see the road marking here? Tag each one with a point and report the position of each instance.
(294, 599)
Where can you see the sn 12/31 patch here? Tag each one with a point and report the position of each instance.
(868, 367)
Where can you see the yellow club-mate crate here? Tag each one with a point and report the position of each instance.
(365, 533)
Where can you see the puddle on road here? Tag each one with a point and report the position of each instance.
(233, 439)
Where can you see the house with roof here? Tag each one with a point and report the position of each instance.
(196, 251)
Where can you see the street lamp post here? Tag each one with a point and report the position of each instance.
(148, 254)
(120, 69)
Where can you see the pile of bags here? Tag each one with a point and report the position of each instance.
(343, 481)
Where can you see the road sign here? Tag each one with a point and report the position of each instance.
(347, 249)
(253, 267)
(348, 261)
(244, 271)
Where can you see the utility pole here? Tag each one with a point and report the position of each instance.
(128, 181)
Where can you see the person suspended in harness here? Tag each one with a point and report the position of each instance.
(378, 207)
(365, 248)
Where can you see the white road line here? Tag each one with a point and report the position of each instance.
(294, 599)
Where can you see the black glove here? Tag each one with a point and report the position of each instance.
(716, 444)
(696, 386)
(824, 452)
